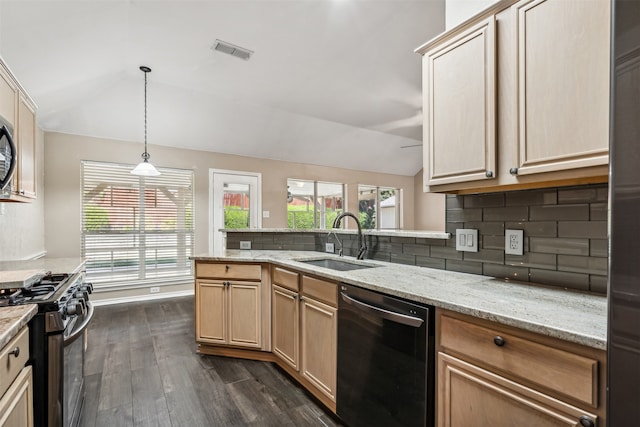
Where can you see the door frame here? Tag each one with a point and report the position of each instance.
(212, 173)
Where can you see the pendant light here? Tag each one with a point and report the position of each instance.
(145, 168)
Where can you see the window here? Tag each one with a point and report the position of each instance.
(379, 208)
(136, 229)
(313, 204)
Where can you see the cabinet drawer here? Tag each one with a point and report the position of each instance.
(561, 371)
(228, 271)
(10, 365)
(285, 278)
(322, 290)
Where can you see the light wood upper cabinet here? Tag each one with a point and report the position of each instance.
(17, 108)
(460, 107)
(562, 84)
(549, 84)
(25, 184)
(8, 96)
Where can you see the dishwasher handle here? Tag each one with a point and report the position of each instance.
(403, 319)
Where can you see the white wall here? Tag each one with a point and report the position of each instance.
(457, 11)
(22, 224)
(62, 162)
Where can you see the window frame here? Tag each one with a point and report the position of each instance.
(165, 236)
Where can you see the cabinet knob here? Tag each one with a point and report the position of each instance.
(15, 351)
(489, 174)
(513, 171)
(586, 421)
(226, 268)
(498, 340)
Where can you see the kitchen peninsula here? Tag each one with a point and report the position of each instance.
(554, 356)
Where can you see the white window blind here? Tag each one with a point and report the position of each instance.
(136, 230)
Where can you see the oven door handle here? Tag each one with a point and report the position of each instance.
(403, 319)
(80, 329)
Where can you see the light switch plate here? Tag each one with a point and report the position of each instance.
(467, 240)
(514, 242)
(266, 214)
(245, 244)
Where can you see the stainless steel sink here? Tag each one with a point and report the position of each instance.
(335, 264)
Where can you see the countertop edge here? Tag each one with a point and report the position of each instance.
(422, 234)
(579, 337)
(13, 319)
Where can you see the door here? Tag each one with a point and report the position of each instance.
(235, 203)
(460, 107)
(285, 319)
(211, 311)
(471, 396)
(245, 314)
(318, 346)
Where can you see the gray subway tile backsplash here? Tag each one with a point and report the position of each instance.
(511, 213)
(565, 232)
(559, 213)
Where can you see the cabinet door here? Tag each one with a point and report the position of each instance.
(470, 396)
(562, 84)
(245, 314)
(211, 311)
(16, 406)
(285, 320)
(460, 107)
(26, 183)
(8, 94)
(318, 337)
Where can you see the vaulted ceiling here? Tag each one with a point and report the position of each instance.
(331, 82)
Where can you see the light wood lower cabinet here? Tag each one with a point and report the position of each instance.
(230, 305)
(493, 375)
(16, 406)
(16, 384)
(318, 342)
(285, 321)
(229, 313)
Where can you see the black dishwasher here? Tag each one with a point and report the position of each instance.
(385, 360)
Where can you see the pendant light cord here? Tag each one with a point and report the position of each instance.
(146, 70)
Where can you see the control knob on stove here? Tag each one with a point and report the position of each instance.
(74, 307)
(81, 294)
(88, 287)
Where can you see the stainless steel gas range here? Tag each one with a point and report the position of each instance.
(58, 339)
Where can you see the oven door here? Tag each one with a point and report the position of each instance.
(75, 343)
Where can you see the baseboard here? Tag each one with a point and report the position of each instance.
(138, 298)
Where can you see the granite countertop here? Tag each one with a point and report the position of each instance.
(564, 314)
(16, 274)
(392, 233)
(13, 319)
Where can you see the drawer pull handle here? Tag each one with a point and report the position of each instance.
(15, 351)
(226, 268)
(586, 421)
(498, 340)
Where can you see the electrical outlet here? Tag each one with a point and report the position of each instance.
(514, 242)
(329, 247)
(245, 244)
(154, 290)
(467, 240)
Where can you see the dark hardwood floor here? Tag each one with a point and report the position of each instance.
(143, 370)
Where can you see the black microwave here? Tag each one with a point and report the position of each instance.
(8, 156)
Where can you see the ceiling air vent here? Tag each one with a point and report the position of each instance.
(231, 49)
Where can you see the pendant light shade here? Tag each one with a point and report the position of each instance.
(145, 168)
